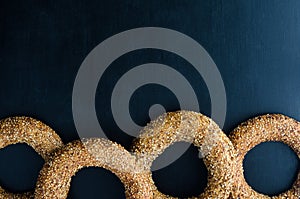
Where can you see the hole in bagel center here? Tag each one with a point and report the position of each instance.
(271, 168)
(95, 182)
(19, 168)
(183, 176)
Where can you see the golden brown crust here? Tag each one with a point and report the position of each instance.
(192, 127)
(55, 177)
(270, 127)
(27, 130)
(224, 163)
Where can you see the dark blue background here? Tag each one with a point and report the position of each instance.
(255, 44)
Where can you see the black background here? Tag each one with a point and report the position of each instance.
(255, 44)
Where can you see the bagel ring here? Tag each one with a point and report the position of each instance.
(270, 127)
(27, 130)
(55, 177)
(192, 127)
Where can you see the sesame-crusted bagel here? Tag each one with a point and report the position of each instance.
(55, 177)
(270, 127)
(27, 130)
(204, 133)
